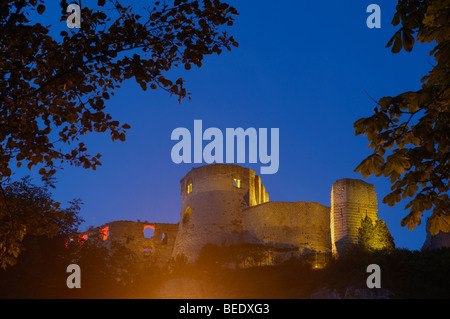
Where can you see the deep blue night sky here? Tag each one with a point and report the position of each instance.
(301, 66)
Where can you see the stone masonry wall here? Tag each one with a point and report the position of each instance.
(304, 225)
(214, 203)
(351, 201)
(157, 249)
(226, 204)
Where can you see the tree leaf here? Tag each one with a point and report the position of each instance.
(40, 9)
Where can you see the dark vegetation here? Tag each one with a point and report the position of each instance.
(40, 272)
(38, 268)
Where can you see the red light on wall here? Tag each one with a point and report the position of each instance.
(83, 236)
(68, 241)
(149, 226)
(149, 234)
(104, 232)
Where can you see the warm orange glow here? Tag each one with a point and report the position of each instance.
(104, 232)
(187, 215)
(82, 238)
(68, 241)
(148, 250)
(152, 227)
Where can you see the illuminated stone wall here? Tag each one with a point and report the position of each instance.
(302, 225)
(226, 204)
(351, 201)
(216, 200)
(223, 214)
(132, 235)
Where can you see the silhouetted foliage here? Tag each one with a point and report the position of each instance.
(237, 255)
(53, 87)
(415, 125)
(30, 210)
(38, 272)
(41, 273)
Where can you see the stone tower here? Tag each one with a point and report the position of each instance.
(213, 199)
(351, 201)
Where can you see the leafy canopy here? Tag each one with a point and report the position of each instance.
(30, 210)
(375, 236)
(410, 133)
(54, 88)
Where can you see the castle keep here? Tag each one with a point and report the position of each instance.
(225, 204)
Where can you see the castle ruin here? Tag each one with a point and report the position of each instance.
(226, 204)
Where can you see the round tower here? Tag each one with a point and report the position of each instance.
(213, 197)
(351, 201)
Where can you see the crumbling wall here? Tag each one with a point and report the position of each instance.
(303, 225)
(351, 201)
(156, 249)
(226, 204)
